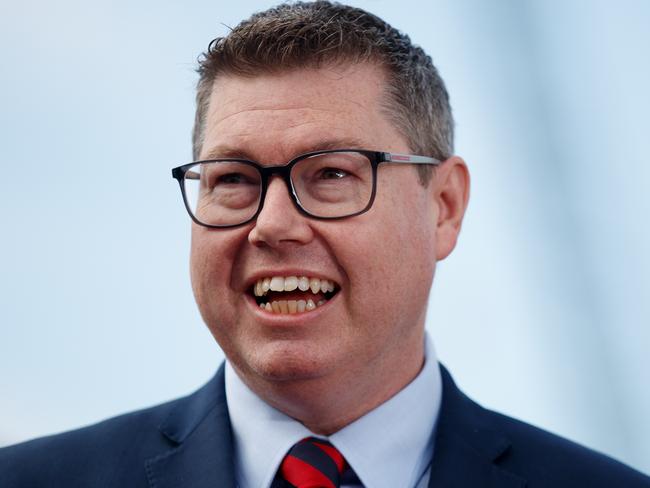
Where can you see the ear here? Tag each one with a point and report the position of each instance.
(450, 186)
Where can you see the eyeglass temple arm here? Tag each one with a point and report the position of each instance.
(409, 159)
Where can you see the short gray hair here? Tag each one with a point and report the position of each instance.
(314, 34)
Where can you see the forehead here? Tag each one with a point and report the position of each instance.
(278, 115)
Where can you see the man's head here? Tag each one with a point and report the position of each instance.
(309, 35)
(364, 342)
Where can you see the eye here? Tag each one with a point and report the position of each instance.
(232, 179)
(332, 174)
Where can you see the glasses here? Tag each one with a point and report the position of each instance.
(327, 185)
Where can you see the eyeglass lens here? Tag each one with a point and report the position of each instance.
(326, 185)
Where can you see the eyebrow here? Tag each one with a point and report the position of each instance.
(226, 151)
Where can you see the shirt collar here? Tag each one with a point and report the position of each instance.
(385, 447)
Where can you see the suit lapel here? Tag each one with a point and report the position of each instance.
(200, 434)
(467, 447)
(455, 464)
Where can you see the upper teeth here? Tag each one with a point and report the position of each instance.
(291, 283)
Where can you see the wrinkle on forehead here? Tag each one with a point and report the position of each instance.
(319, 144)
(270, 111)
(278, 92)
(291, 131)
(283, 118)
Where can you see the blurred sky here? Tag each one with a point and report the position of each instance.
(542, 312)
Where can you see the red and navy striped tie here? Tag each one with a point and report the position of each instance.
(313, 463)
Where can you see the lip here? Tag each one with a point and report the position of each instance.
(250, 282)
(285, 319)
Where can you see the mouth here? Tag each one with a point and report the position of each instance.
(292, 294)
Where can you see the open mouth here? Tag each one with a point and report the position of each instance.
(292, 294)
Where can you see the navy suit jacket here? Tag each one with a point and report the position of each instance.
(188, 443)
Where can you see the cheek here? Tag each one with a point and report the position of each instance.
(211, 257)
(392, 256)
(201, 257)
(405, 234)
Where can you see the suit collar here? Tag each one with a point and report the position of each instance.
(467, 448)
(198, 429)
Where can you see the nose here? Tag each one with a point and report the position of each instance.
(279, 221)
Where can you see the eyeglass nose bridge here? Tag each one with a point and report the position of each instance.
(284, 172)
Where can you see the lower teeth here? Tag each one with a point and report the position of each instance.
(291, 306)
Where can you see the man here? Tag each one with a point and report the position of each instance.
(326, 193)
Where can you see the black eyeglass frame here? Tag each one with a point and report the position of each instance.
(375, 157)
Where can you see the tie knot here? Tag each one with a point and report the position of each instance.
(313, 463)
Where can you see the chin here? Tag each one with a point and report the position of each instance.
(280, 362)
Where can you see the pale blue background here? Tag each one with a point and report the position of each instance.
(542, 312)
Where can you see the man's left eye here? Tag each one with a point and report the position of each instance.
(333, 173)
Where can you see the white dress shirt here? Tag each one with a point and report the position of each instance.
(390, 446)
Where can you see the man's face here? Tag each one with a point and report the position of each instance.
(381, 262)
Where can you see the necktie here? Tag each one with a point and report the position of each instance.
(313, 463)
